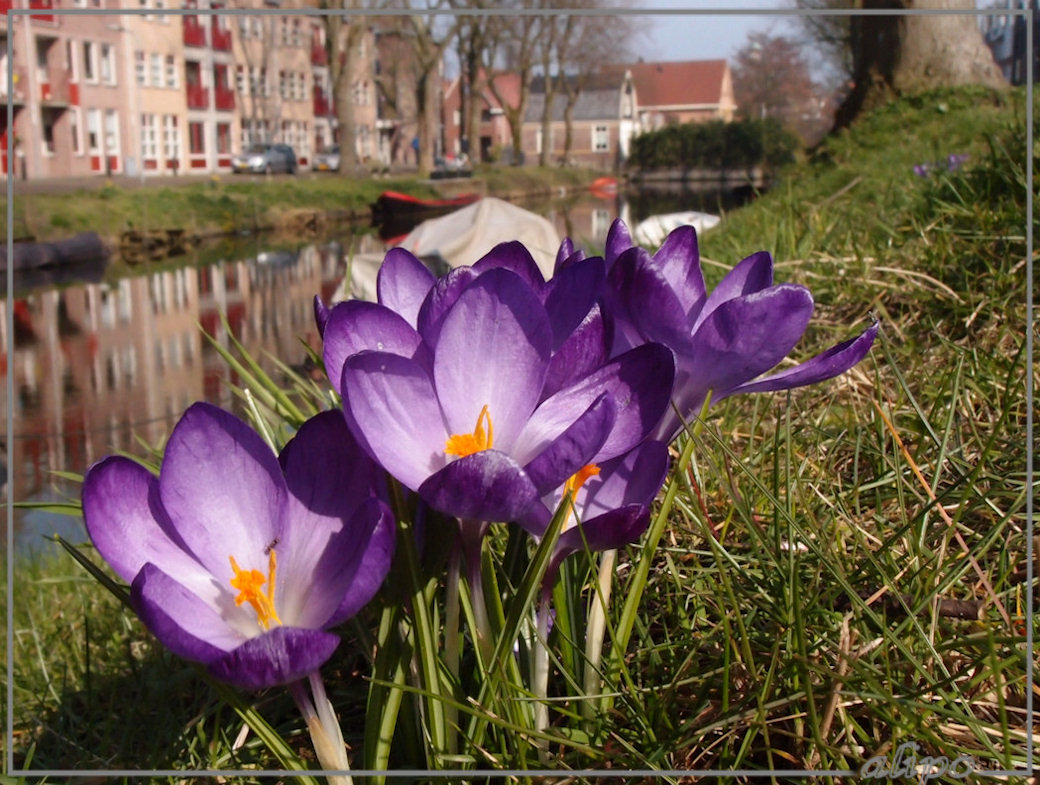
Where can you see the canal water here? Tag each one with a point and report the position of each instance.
(105, 363)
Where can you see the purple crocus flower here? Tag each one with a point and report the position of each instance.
(456, 409)
(240, 559)
(723, 341)
(610, 502)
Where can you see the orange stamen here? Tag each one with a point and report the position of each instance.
(248, 583)
(463, 444)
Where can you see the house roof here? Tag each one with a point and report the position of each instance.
(681, 83)
(599, 99)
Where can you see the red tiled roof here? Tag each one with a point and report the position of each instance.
(677, 83)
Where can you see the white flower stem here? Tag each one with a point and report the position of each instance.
(540, 668)
(594, 630)
(324, 728)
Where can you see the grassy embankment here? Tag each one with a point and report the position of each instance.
(229, 204)
(799, 611)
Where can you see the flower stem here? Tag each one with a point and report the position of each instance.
(540, 667)
(594, 631)
(323, 727)
(472, 541)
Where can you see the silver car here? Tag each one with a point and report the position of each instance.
(266, 159)
(327, 160)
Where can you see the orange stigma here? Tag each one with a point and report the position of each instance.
(248, 583)
(578, 479)
(463, 444)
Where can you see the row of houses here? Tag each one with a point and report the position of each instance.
(154, 87)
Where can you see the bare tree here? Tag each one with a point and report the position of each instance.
(343, 37)
(512, 47)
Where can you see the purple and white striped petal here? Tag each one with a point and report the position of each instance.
(215, 517)
(487, 485)
(402, 284)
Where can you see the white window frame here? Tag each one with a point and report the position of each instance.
(76, 130)
(141, 68)
(171, 135)
(149, 137)
(112, 146)
(601, 139)
(107, 61)
(91, 72)
(155, 69)
(94, 131)
(173, 80)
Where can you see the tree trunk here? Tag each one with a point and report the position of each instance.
(895, 55)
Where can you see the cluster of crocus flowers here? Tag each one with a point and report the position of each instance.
(492, 394)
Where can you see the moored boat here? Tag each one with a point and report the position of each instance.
(393, 207)
(656, 228)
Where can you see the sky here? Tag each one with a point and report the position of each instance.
(706, 37)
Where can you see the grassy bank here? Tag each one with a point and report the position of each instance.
(844, 570)
(229, 204)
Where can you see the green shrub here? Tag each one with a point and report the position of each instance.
(715, 144)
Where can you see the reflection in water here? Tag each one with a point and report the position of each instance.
(99, 367)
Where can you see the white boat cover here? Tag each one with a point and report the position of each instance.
(462, 238)
(654, 230)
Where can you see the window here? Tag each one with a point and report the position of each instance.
(140, 68)
(90, 72)
(283, 30)
(156, 63)
(171, 72)
(94, 131)
(600, 139)
(149, 137)
(297, 34)
(160, 4)
(196, 139)
(49, 120)
(224, 138)
(111, 131)
(240, 78)
(74, 131)
(70, 59)
(171, 138)
(283, 84)
(108, 64)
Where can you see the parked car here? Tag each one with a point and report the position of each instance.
(265, 158)
(328, 160)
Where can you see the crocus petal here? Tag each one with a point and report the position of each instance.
(586, 348)
(280, 656)
(487, 486)
(440, 300)
(356, 325)
(632, 478)
(640, 381)
(644, 299)
(493, 351)
(826, 365)
(329, 478)
(321, 314)
(223, 489)
(566, 254)
(612, 529)
(618, 241)
(575, 447)
(571, 293)
(122, 513)
(402, 284)
(513, 256)
(391, 406)
(679, 261)
(372, 534)
(748, 335)
(182, 621)
(748, 276)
